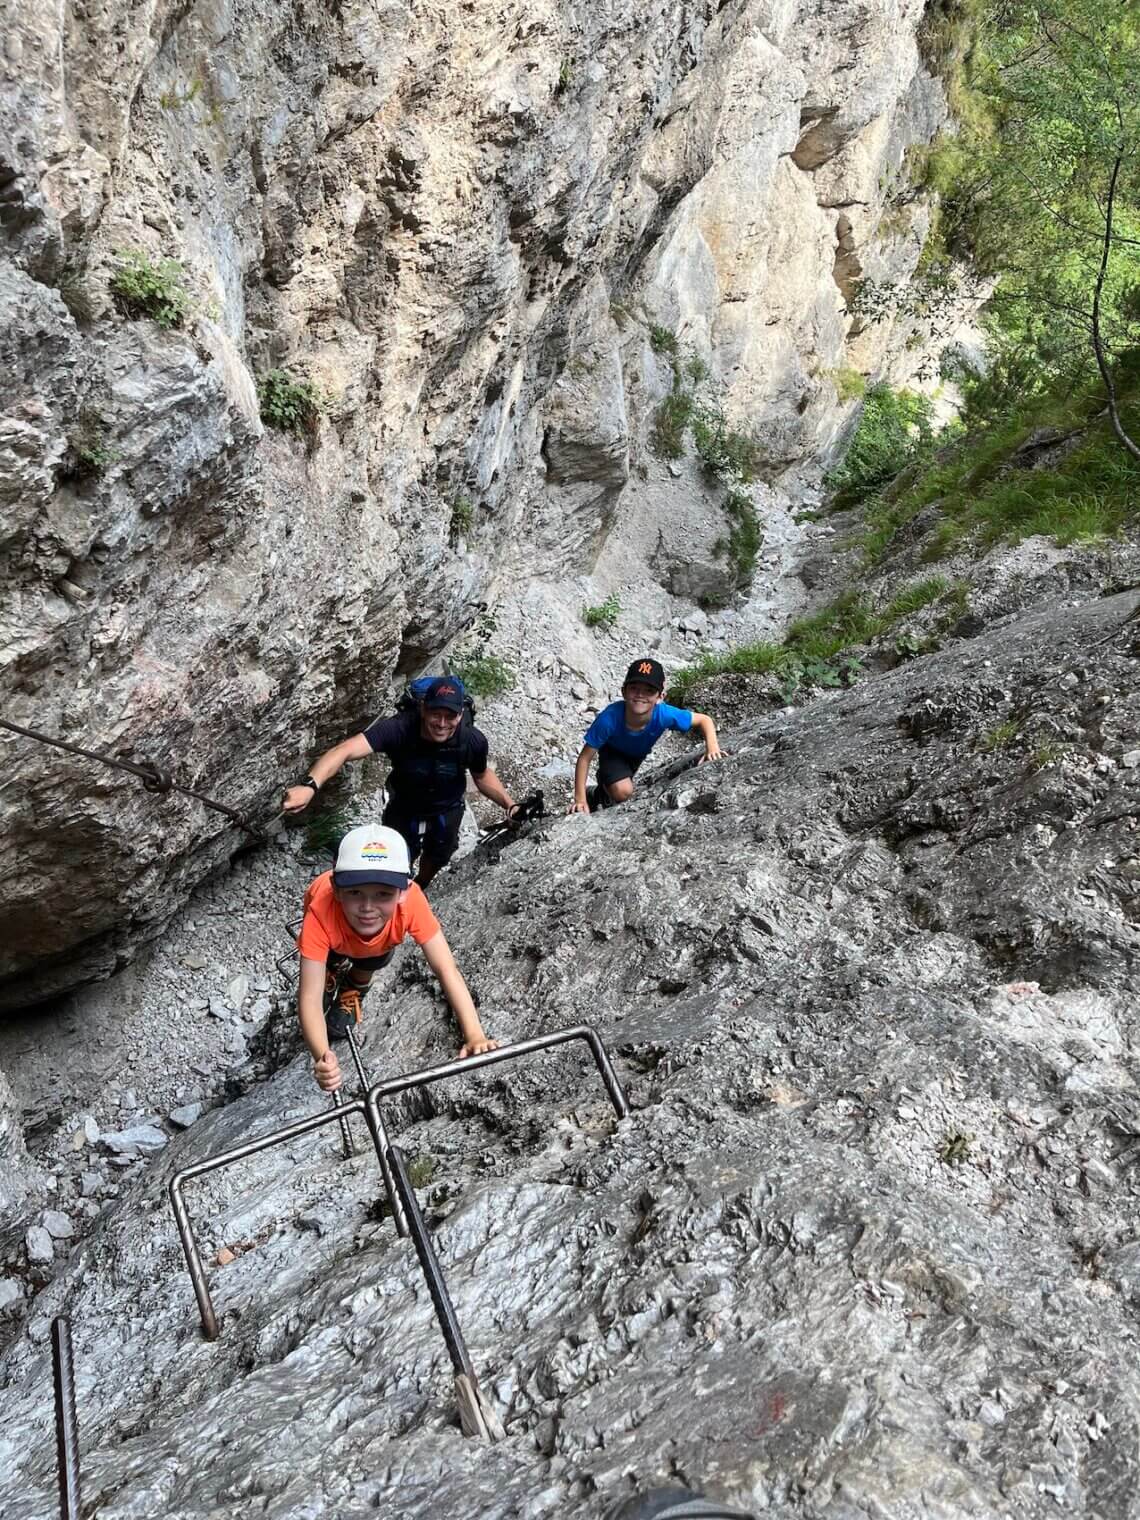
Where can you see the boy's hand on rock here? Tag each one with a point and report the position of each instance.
(477, 1047)
(578, 807)
(712, 752)
(327, 1072)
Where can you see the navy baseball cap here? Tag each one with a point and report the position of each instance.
(647, 673)
(447, 692)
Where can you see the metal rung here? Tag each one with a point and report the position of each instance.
(66, 1425)
(479, 1418)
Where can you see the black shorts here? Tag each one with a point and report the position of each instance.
(338, 962)
(614, 766)
(436, 834)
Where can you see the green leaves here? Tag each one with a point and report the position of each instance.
(292, 405)
(143, 289)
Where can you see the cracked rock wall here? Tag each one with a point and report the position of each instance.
(865, 1248)
(425, 210)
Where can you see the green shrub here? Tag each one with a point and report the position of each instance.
(484, 675)
(670, 423)
(1000, 735)
(849, 384)
(605, 615)
(816, 649)
(462, 518)
(325, 830)
(173, 100)
(292, 405)
(983, 494)
(565, 76)
(744, 539)
(894, 431)
(143, 289)
(661, 340)
(725, 454)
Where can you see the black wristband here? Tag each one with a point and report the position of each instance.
(308, 781)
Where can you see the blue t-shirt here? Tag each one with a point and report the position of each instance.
(609, 728)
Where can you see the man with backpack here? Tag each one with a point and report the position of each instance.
(432, 743)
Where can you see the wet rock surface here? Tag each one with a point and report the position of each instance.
(865, 1247)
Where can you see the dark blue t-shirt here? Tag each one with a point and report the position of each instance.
(609, 728)
(427, 777)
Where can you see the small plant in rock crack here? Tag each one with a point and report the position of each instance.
(144, 289)
(89, 455)
(955, 1148)
(604, 615)
(484, 674)
(908, 646)
(421, 1169)
(325, 830)
(462, 519)
(661, 340)
(1000, 735)
(1048, 754)
(800, 673)
(289, 404)
(565, 76)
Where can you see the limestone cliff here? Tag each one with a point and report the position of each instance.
(426, 210)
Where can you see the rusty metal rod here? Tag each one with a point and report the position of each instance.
(66, 1426)
(379, 1137)
(392, 1085)
(429, 1265)
(154, 779)
(346, 1141)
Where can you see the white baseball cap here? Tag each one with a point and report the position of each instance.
(372, 855)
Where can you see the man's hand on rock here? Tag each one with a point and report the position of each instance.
(297, 799)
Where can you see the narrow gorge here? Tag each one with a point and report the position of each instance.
(347, 342)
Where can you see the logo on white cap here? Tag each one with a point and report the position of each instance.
(372, 854)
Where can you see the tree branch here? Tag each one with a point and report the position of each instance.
(1098, 345)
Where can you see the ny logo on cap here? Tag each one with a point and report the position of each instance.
(645, 668)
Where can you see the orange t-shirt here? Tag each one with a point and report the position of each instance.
(325, 927)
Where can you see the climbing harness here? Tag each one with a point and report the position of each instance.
(476, 1415)
(66, 1427)
(529, 810)
(153, 779)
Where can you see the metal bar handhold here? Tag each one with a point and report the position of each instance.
(66, 1427)
(346, 1142)
(429, 1262)
(392, 1085)
(358, 1059)
(379, 1137)
(227, 1158)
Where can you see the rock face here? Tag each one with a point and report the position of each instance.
(867, 1245)
(458, 225)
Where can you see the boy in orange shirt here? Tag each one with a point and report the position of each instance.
(355, 916)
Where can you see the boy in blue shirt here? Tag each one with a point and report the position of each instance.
(624, 732)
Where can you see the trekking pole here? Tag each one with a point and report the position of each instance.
(66, 1430)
